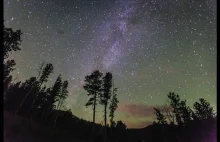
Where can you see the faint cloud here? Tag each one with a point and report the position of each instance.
(140, 110)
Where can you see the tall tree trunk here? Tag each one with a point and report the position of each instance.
(105, 111)
(105, 119)
(59, 103)
(111, 128)
(93, 129)
(111, 119)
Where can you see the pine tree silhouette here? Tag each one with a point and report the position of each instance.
(36, 85)
(105, 96)
(63, 95)
(53, 95)
(92, 85)
(160, 117)
(113, 106)
(203, 110)
(11, 42)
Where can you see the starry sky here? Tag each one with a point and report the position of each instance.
(152, 47)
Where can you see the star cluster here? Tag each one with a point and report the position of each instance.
(151, 47)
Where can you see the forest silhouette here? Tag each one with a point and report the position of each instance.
(39, 109)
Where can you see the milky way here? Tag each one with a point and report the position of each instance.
(151, 47)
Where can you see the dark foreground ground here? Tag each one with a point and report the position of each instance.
(19, 129)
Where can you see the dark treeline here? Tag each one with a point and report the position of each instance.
(178, 122)
(35, 101)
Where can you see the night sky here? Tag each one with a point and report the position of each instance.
(151, 47)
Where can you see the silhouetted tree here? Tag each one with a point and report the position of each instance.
(181, 111)
(54, 95)
(160, 117)
(203, 110)
(14, 96)
(42, 78)
(105, 96)
(11, 42)
(56, 91)
(63, 95)
(168, 111)
(30, 85)
(36, 85)
(92, 85)
(185, 112)
(202, 120)
(47, 70)
(174, 103)
(7, 82)
(113, 106)
(120, 125)
(45, 103)
(8, 67)
(113, 124)
(41, 99)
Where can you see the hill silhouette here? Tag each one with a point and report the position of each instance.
(72, 128)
